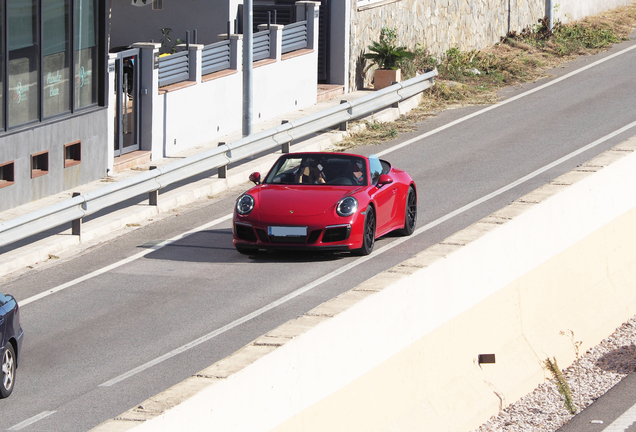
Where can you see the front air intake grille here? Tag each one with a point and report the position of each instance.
(313, 237)
(245, 232)
(262, 235)
(336, 234)
(276, 239)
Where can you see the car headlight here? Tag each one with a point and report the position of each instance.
(245, 204)
(347, 206)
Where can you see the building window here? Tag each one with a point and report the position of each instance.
(56, 98)
(157, 4)
(23, 37)
(6, 174)
(39, 164)
(72, 154)
(85, 53)
(50, 61)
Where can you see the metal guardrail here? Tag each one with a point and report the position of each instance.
(154, 180)
(174, 68)
(215, 57)
(294, 37)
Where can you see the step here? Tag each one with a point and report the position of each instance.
(131, 160)
(329, 91)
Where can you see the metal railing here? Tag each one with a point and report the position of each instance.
(215, 57)
(174, 68)
(261, 45)
(294, 37)
(152, 181)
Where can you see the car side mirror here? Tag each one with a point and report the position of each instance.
(255, 177)
(384, 179)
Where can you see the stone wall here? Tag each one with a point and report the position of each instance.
(436, 25)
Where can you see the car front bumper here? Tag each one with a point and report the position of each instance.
(336, 236)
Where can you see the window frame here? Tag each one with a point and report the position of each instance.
(69, 162)
(3, 182)
(39, 172)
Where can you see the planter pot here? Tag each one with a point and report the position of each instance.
(385, 77)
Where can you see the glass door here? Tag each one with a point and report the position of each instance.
(127, 102)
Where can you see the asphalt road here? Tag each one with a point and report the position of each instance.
(103, 344)
(615, 411)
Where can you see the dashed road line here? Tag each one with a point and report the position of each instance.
(32, 420)
(623, 423)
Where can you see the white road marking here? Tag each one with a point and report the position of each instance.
(122, 262)
(356, 263)
(32, 420)
(502, 103)
(622, 423)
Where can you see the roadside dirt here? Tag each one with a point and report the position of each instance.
(475, 77)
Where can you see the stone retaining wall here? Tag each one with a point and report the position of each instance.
(437, 25)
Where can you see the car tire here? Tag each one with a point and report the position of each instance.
(410, 213)
(246, 250)
(7, 371)
(368, 235)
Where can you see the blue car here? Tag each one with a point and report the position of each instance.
(10, 343)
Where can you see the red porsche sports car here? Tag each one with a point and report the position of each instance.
(324, 201)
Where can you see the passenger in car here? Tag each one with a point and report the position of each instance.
(357, 174)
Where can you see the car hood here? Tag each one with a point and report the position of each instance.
(283, 200)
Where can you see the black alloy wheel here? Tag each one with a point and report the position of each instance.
(7, 371)
(410, 213)
(368, 237)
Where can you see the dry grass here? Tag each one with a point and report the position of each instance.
(519, 58)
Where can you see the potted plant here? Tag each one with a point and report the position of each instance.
(387, 56)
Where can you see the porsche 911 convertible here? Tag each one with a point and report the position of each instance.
(324, 201)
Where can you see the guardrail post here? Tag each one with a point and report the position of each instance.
(285, 147)
(153, 196)
(76, 225)
(222, 171)
(344, 124)
(396, 104)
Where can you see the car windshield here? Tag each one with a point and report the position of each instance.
(319, 169)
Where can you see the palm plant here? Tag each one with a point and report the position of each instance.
(385, 54)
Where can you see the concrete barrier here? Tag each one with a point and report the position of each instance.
(574, 10)
(400, 351)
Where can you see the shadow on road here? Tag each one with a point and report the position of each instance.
(215, 246)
